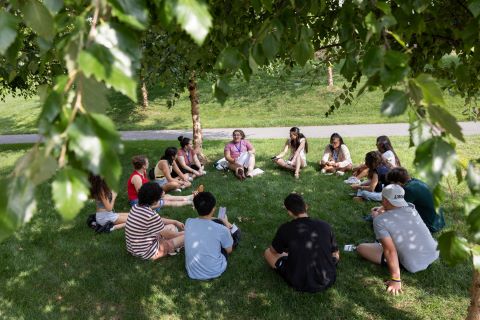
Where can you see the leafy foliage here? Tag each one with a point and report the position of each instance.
(412, 50)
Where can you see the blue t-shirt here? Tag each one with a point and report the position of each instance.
(203, 242)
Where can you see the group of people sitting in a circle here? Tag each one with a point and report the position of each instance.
(304, 250)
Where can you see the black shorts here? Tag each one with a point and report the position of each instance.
(280, 265)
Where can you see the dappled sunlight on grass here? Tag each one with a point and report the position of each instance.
(55, 269)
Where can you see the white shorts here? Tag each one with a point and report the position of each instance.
(104, 217)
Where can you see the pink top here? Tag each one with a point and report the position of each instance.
(238, 148)
(187, 156)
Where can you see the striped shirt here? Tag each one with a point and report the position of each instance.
(142, 231)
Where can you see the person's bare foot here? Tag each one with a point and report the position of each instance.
(297, 175)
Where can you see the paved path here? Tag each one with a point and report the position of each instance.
(356, 130)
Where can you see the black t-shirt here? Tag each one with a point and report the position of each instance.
(309, 243)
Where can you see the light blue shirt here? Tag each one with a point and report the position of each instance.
(203, 242)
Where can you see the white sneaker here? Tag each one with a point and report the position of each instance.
(352, 180)
(339, 173)
(178, 190)
(190, 179)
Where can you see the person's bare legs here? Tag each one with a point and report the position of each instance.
(345, 169)
(282, 163)
(329, 169)
(272, 258)
(235, 167)
(169, 186)
(371, 252)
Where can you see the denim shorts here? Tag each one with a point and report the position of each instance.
(105, 217)
(161, 182)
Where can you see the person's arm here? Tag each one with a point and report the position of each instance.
(179, 172)
(250, 147)
(176, 223)
(285, 150)
(106, 202)
(226, 239)
(299, 149)
(394, 285)
(198, 164)
(137, 182)
(326, 155)
(182, 164)
(228, 156)
(376, 211)
(346, 155)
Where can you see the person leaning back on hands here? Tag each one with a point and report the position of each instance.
(405, 240)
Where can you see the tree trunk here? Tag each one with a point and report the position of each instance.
(197, 126)
(144, 94)
(474, 308)
(330, 76)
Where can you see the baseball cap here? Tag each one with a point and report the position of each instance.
(395, 195)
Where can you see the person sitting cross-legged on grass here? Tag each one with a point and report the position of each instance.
(418, 193)
(147, 235)
(377, 172)
(304, 251)
(240, 155)
(336, 157)
(105, 201)
(298, 146)
(404, 238)
(164, 170)
(207, 241)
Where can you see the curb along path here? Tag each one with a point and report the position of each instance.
(347, 130)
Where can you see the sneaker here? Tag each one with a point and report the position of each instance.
(190, 179)
(352, 180)
(323, 171)
(178, 190)
(339, 173)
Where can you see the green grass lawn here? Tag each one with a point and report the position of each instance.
(266, 101)
(52, 269)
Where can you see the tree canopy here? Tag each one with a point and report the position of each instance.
(71, 51)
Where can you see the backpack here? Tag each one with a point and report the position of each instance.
(92, 223)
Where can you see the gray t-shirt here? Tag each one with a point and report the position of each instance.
(203, 242)
(415, 246)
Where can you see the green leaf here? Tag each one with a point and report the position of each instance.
(470, 204)
(453, 249)
(8, 222)
(70, 190)
(371, 22)
(133, 13)
(50, 110)
(37, 17)
(194, 18)
(258, 55)
(98, 62)
(476, 257)
(270, 46)
(94, 95)
(438, 196)
(394, 103)
(445, 120)
(435, 158)
(373, 60)
(230, 58)
(267, 4)
(474, 7)
(53, 5)
(349, 67)
(221, 89)
(36, 165)
(8, 30)
(303, 51)
(432, 94)
(473, 221)
(473, 178)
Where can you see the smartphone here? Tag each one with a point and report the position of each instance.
(222, 212)
(349, 247)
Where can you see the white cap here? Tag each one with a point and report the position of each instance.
(395, 195)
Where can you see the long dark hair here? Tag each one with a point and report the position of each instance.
(335, 136)
(373, 160)
(169, 155)
(98, 187)
(384, 145)
(184, 141)
(296, 143)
